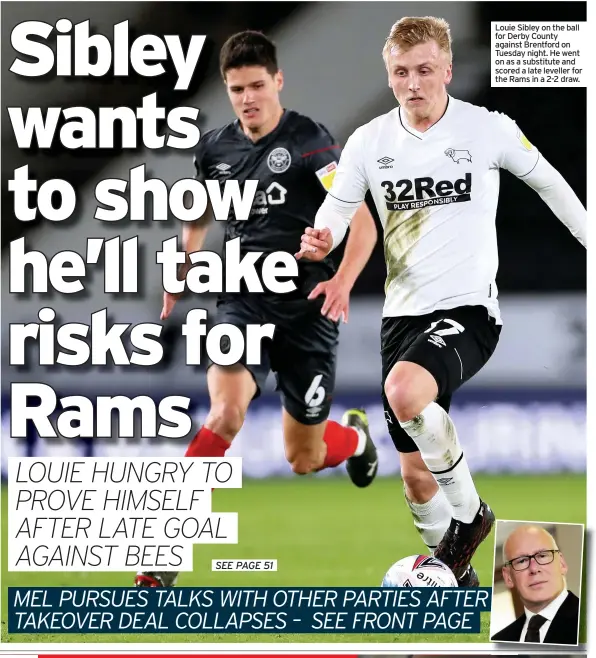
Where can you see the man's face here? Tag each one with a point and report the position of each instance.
(254, 94)
(539, 584)
(418, 77)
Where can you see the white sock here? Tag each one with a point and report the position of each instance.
(361, 442)
(431, 518)
(434, 434)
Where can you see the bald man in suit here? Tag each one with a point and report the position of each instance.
(536, 569)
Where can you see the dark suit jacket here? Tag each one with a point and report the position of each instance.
(563, 628)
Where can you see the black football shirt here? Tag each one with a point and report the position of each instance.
(294, 165)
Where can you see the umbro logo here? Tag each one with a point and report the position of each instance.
(223, 167)
(437, 340)
(385, 163)
(313, 412)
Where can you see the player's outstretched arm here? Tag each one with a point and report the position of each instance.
(343, 200)
(556, 192)
(361, 242)
(522, 159)
(193, 238)
(331, 223)
(362, 239)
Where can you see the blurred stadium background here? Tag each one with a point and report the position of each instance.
(525, 412)
(522, 416)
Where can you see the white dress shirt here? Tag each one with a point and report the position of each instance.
(548, 613)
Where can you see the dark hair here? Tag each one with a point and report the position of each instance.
(248, 48)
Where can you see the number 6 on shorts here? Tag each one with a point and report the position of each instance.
(315, 394)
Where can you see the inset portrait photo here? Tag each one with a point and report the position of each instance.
(537, 582)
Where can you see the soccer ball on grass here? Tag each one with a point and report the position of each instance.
(419, 571)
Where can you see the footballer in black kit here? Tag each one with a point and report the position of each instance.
(294, 159)
(292, 165)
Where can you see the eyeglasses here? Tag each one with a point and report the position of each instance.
(523, 562)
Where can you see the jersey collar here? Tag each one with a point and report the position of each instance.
(416, 133)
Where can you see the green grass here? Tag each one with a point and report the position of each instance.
(324, 533)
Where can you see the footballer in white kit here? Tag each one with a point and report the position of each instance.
(436, 193)
(432, 166)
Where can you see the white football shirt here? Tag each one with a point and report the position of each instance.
(436, 193)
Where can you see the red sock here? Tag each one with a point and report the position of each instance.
(341, 443)
(207, 444)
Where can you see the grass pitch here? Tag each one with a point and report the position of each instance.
(324, 533)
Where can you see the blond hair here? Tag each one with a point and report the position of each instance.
(411, 31)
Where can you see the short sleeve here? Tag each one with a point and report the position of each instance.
(321, 156)
(199, 171)
(350, 183)
(515, 153)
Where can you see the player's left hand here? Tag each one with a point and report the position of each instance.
(315, 244)
(337, 298)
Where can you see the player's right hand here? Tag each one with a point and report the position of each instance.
(315, 244)
(169, 302)
(337, 298)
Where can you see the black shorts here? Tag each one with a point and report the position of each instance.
(452, 345)
(302, 353)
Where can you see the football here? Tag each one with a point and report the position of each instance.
(419, 571)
